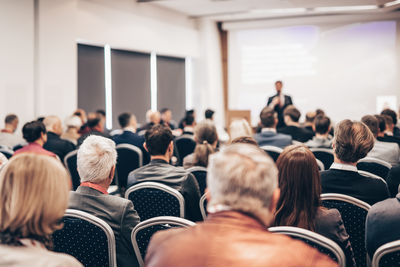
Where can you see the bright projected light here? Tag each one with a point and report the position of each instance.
(341, 68)
(108, 87)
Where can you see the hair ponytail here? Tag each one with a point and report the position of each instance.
(201, 154)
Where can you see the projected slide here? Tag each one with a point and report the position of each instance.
(342, 68)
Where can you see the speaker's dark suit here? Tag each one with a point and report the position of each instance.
(279, 109)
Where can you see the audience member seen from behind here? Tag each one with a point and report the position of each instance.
(206, 137)
(96, 127)
(190, 112)
(268, 135)
(388, 152)
(8, 137)
(223, 136)
(395, 131)
(54, 143)
(73, 124)
(309, 122)
(239, 128)
(159, 143)
(291, 116)
(299, 204)
(35, 134)
(322, 128)
(128, 123)
(188, 125)
(166, 118)
(33, 198)
(387, 135)
(96, 166)
(242, 184)
(352, 142)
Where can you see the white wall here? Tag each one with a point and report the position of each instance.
(123, 24)
(16, 59)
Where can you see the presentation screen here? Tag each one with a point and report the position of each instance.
(348, 70)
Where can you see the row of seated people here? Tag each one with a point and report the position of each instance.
(353, 140)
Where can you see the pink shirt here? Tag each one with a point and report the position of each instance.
(36, 149)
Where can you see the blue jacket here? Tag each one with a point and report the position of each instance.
(128, 137)
(269, 138)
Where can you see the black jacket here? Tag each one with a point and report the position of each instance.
(58, 146)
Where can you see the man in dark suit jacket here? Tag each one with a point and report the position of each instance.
(96, 127)
(159, 144)
(96, 166)
(292, 116)
(382, 224)
(353, 141)
(268, 135)
(128, 123)
(54, 143)
(279, 102)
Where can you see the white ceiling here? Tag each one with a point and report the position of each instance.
(228, 10)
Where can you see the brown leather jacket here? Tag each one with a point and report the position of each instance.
(230, 239)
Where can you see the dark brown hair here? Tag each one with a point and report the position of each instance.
(353, 140)
(299, 182)
(322, 124)
(268, 117)
(292, 112)
(372, 123)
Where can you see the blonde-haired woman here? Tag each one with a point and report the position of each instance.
(33, 197)
(239, 128)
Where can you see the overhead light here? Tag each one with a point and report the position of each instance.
(345, 8)
(392, 3)
(279, 10)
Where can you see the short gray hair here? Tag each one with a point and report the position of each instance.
(96, 157)
(242, 177)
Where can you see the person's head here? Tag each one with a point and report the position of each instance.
(53, 124)
(153, 117)
(300, 187)
(389, 123)
(166, 115)
(159, 141)
(244, 140)
(201, 154)
(189, 121)
(244, 178)
(34, 192)
(390, 113)
(291, 114)
(353, 140)
(34, 131)
(95, 123)
(381, 124)
(127, 120)
(101, 113)
(372, 123)
(310, 116)
(322, 125)
(81, 113)
(11, 122)
(209, 114)
(206, 131)
(278, 87)
(238, 128)
(268, 118)
(96, 160)
(319, 111)
(73, 122)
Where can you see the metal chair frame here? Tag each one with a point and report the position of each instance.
(383, 250)
(133, 148)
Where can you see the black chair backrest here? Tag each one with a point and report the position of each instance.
(374, 166)
(6, 152)
(272, 151)
(87, 238)
(387, 255)
(19, 146)
(129, 158)
(354, 213)
(184, 146)
(323, 244)
(70, 161)
(325, 155)
(200, 173)
(143, 232)
(152, 199)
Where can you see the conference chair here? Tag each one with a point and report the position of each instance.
(375, 166)
(203, 206)
(200, 173)
(354, 213)
(70, 161)
(321, 166)
(143, 232)
(371, 175)
(6, 152)
(152, 199)
(184, 145)
(129, 158)
(323, 244)
(87, 238)
(325, 155)
(387, 255)
(272, 151)
(19, 146)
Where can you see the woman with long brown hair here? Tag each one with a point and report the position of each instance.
(299, 204)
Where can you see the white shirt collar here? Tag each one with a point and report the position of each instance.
(344, 167)
(218, 208)
(268, 130)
